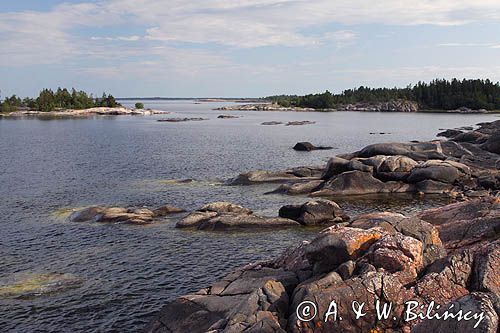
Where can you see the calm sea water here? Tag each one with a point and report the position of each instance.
(127, 272)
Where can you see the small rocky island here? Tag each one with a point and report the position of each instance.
(448, 255)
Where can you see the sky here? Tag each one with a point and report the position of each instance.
(242, 48)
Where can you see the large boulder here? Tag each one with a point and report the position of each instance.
(392, 223)
(336, 245)
(338, 165)
(395, 168)
(351, 183)
(398, 254)
(442, 171)
(493, 143)
(316, 212)
(420, 151)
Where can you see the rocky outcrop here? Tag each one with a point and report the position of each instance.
(261, 107)
(223, 216)
(307, 146)
(467, 165)
(379, 257)
(100, 111)
(121, 214)
(226, 116)
(399, 105)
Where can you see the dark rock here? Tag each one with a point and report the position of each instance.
(298, 188)
(315, 212)
(354, 183)
(493, 143)
(226, 116)
(272, 123)
(307, 146)
(449, 133)
(441, 171)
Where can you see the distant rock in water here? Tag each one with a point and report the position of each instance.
(267, 123)
(227, 116)
(307, 146)
(178, 120)
(298, 123)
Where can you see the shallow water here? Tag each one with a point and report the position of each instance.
(48, 167)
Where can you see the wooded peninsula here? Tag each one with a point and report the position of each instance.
(439, 94)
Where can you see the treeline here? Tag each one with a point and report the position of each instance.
(49, 100)
(439, 94)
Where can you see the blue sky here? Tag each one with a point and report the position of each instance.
(243, 47)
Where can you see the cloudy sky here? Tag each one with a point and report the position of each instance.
(242, 48)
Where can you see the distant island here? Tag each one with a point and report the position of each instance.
(465, 96)
(439, 94)
(64, 102)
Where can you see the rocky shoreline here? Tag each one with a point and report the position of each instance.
(448, 255)
(98, 111)
(391, 106)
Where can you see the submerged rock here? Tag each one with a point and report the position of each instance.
(34, 285)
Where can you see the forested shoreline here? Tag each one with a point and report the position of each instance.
(439, 94)
(62, 98)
